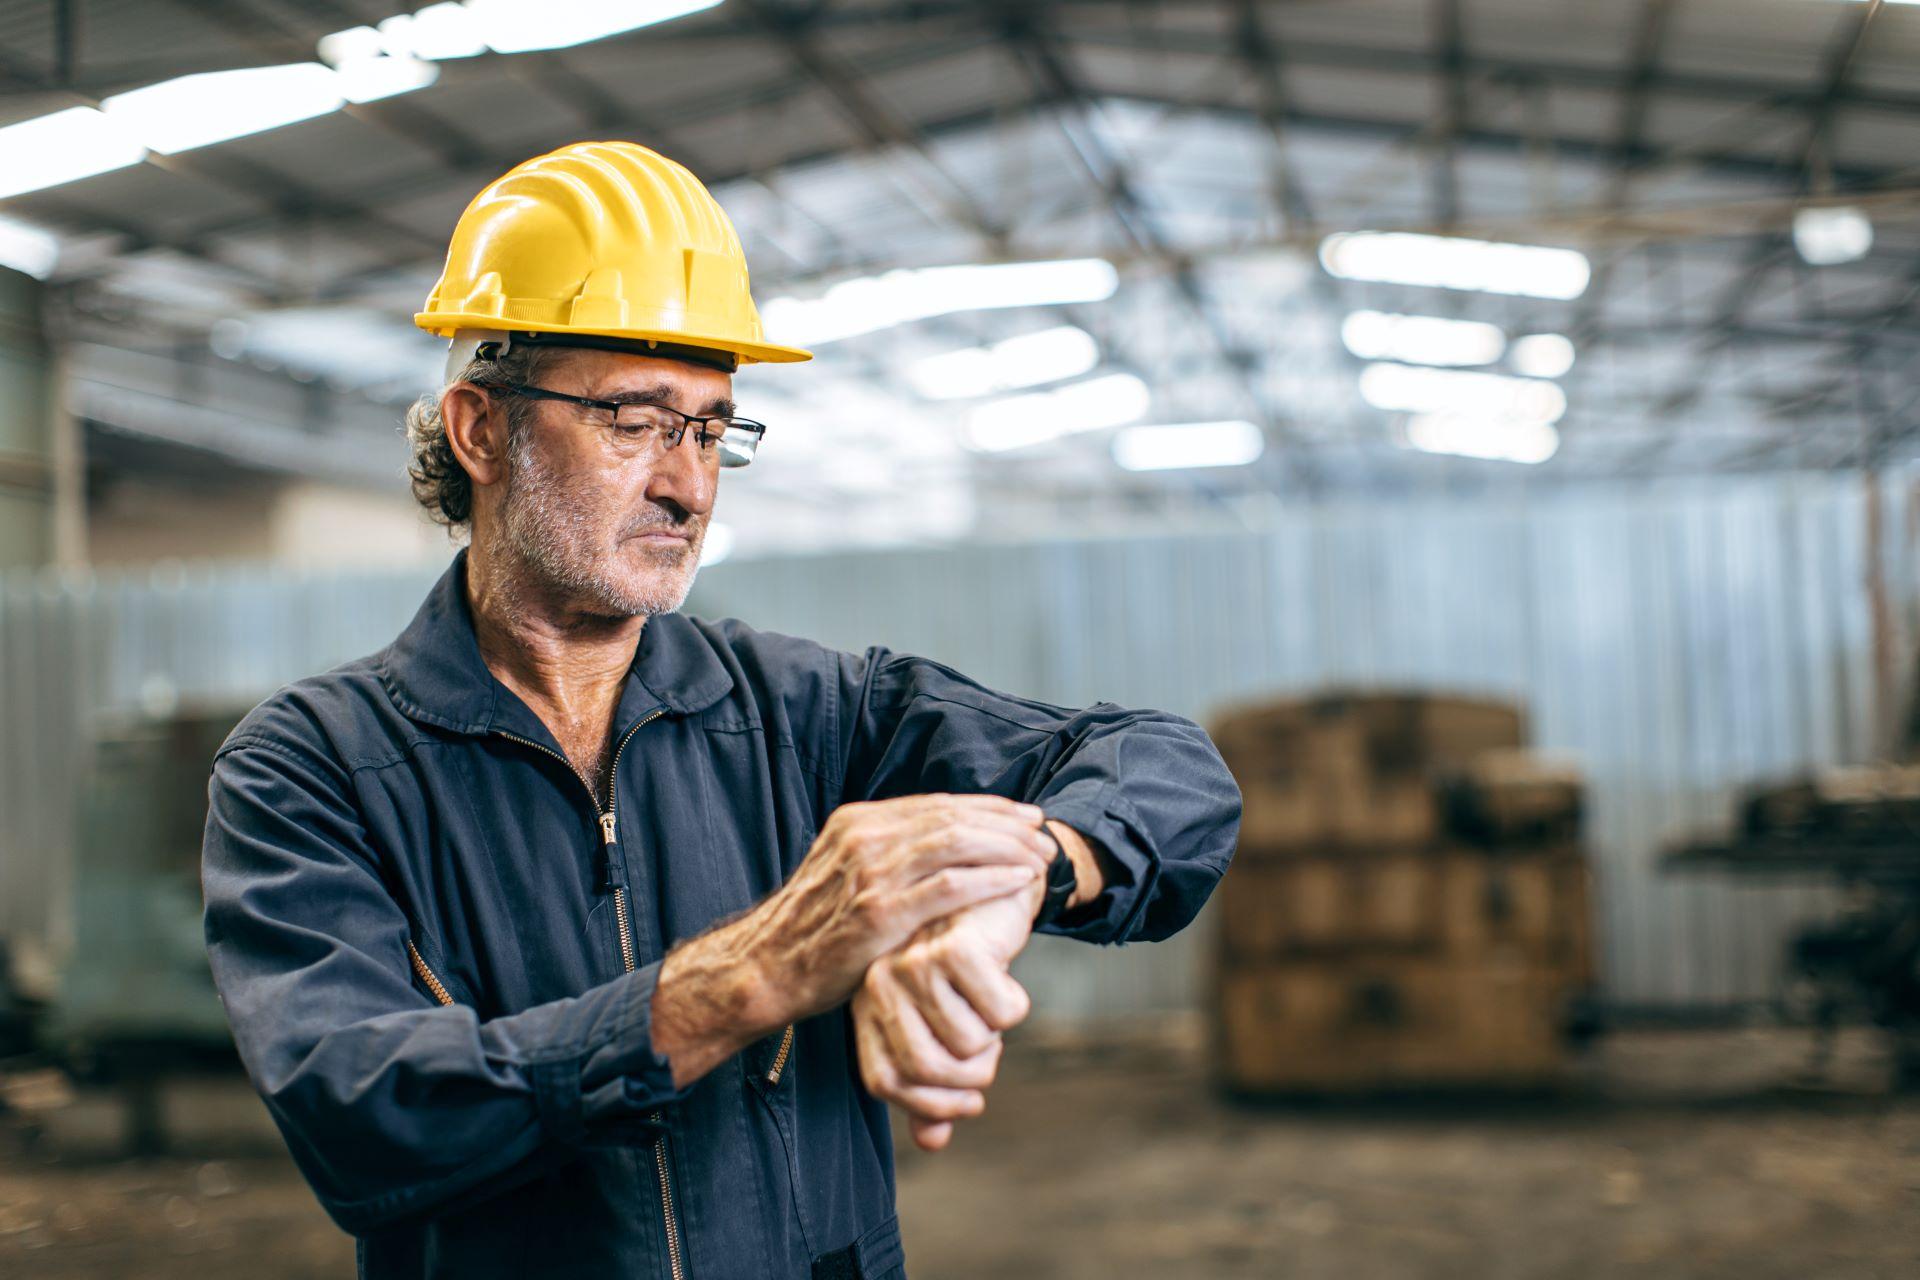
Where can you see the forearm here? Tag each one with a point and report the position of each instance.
(712, 1001)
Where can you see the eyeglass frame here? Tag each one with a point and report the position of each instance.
(757, 428)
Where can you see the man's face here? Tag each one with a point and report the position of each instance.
(614, 527)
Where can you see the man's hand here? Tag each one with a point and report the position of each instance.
(878, 871)
(928, 1018)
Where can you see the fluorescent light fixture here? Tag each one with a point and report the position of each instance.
(1188, 444)
(1377, 335)
(1499, 439)
(28, 248)
(373, 78)
(1026, 361)
(214, 106)
(62, 147)
(1410, 389)
(437, 31)
(1828, 236)
(872, 303)
(1020, 421)
(1443, 262)
(356, 44)
(517, 26)
(1543, 355)
(717, 545)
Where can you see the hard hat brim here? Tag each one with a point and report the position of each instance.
(444, 325)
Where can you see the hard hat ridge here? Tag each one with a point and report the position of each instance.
(609, 241)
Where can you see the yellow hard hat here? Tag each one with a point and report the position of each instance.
(604, 244)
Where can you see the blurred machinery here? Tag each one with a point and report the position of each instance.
(1858, 828)
(1409, 904)
(136, 1000)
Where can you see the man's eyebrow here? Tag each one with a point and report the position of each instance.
(661, 393)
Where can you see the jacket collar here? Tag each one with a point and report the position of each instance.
(434, 672)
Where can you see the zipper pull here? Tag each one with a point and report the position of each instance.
(610, 877)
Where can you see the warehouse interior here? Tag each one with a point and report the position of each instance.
(1494, 421)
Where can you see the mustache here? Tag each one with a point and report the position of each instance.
(686, 527)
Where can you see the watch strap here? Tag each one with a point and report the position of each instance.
(1062, 880)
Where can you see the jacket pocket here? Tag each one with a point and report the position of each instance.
(876, 1255)
(768, 1067)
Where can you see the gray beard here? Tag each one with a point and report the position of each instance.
(554, 537)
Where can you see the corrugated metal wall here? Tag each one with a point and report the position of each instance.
(1681, 640)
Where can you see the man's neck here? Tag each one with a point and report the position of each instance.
(566, 663)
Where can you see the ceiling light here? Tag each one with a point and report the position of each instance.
(1188, 444)
(1829, 236)
(872, 303)
(437, 31)
(28, 248)
(62, 147)
(214, 106)
(370, 79)
(1443, 262)
(356, 44)
(1410, 389)
(1543, 355)
(1376, 335)
(1472, 436)
(1026, 361)
(1020, 421)
(517, 26)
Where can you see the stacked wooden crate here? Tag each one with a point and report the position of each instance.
(1408, 905)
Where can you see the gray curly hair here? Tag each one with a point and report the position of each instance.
(440, 484)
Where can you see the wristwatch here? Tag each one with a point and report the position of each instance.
(1061, 882)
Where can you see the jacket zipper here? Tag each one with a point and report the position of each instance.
(666, 1204)
(609, 831)
(609, 817)
(780, 1058)
(426, 975)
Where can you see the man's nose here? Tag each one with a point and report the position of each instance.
(682, 473)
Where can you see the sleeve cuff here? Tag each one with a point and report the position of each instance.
(624, 1075)
(1109, 917)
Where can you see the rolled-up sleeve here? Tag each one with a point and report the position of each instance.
(392, 1103)
(1148, 786)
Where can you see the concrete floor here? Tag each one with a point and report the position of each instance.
(1681, 1155)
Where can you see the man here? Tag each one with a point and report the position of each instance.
(572, 935)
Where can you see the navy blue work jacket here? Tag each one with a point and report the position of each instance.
(437, 946)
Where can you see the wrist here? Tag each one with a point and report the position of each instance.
(1061, 883)
(758, 1002)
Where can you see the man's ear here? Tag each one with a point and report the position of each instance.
(477, 431)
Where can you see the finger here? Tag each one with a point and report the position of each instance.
(951, 1018)
(918, 1054)
(995, 996)
(951, 888)
(984, 802)
(932, 1104)
(975, 843)
(951, 812)
(931, 1135)
(883, 1079)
